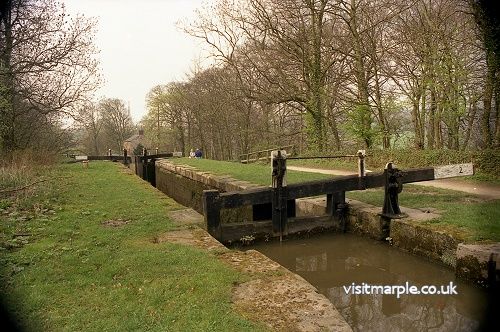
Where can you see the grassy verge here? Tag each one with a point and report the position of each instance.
(463, 215)
(254, 173)
(64, 269)
(341, 164)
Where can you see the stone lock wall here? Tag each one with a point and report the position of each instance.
(185, 184)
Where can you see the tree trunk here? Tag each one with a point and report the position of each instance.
(485, 118)
(415, 118)
(497, 112)
(7, 109)
(470, 124)
(431, 131)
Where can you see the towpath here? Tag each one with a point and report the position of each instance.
(485, 190)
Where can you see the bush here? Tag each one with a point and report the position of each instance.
(20, 169)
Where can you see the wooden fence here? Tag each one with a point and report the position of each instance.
(262, 155)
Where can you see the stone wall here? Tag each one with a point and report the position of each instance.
(185, 184)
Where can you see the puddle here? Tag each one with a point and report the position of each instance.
(332, 261)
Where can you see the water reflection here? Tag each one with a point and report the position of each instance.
(330, 262)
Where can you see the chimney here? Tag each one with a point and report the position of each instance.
(141, 132)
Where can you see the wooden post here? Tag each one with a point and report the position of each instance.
(329, 204)
(138, 166)
(279, 200)
(144, 163)
(211, 212)
(361, 163)
(125, 157)
(492, 271)
(334, 203)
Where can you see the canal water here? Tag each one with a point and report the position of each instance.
(333, 262)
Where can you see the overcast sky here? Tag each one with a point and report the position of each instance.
(140, 46)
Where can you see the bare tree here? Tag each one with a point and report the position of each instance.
(356, 70)
(46, 64)
(116, 122)
(90, 118)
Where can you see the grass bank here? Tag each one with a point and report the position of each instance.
(79, 254)
(254, 173)
(463, 215)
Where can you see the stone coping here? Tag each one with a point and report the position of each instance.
(275, 296)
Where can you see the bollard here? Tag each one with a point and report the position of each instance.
(393, 186)
(279, 202)
(157, 150)
(109, 152)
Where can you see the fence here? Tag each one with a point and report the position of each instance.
(264, 155)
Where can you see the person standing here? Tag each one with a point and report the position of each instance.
(198, 154)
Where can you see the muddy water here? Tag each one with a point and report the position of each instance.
(332, 261)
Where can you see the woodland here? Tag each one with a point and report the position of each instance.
(335, 75)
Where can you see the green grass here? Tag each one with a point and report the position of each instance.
(350, 164)
(254, 173)
(72, 273)
(462, 214)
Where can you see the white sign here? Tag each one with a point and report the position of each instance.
(176, 154)
(450, 171)
(80, 158)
